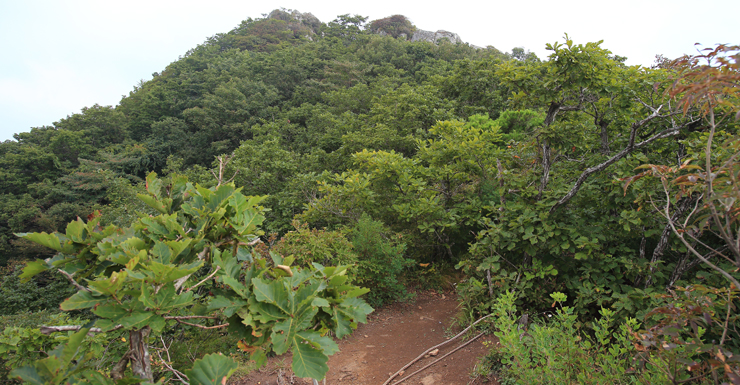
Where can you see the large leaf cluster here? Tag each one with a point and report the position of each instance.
(146, 276)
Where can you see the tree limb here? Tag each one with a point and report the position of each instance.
(63, 328)
(71, 279)
(631, 146)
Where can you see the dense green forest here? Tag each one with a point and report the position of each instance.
(592, 202)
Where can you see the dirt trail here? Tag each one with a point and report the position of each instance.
(393, 336)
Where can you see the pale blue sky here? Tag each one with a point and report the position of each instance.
(58, 56)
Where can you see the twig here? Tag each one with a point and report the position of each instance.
(201, 326)
(439, 359)
(176, 372)
(188, 317)
(727, 319)
(71, 279)
(435, 347)
(204, 279)
(51, 329)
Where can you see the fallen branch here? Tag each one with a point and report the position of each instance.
(64, 328)
(435, 347)
(439, 359)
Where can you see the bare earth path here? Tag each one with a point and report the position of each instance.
(393, 336)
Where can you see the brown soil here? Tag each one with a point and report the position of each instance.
(393, 336)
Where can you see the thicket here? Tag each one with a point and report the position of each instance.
(614, 185)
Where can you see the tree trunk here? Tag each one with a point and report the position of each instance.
(603, 124)
(137, 355)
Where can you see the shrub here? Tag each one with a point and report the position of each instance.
(329, 248)
(560, 353)
(678, 348)
(47, 292)
(381, 260)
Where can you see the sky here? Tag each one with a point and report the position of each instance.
(58, 56)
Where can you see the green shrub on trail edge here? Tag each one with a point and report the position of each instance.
(673, 351)
(144, 279)
(328, 248)
(381, 261)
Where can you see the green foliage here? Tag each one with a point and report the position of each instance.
(136, 278)
(46, 292)
(396, 26)
(381, 260)
(559, 352)
(22, 346)
(314, 245)
(211, 370)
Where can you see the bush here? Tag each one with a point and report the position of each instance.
(21, 340)
(45, 292)
(381, 261)
(329, 248)
(678, 347)
(560, 353)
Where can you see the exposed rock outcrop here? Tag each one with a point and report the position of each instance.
(436, 37)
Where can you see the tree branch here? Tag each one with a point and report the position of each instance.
(51, 329)
(631, 146)
(201, 326)
(71, 279)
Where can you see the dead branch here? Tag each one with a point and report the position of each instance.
(166, 364)
(439, 359)
(64, 328)
(435, 347)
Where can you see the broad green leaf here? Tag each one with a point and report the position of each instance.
(81, 300)
(137, 320)
(76, 230)
(111, 285)
(356, 309)
(229, 305)
(152, 202)
(153, 185)
(69, 350)
(259, 357)
(49, 240)
(111, 311)
(284, 332)
(263, 312)
(213, 369)
(326, 344)
(28, 374)
(309, 361)
(320, 302)
(273, 293)
(32, 269)
(343, 324)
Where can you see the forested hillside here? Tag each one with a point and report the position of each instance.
(572, 186)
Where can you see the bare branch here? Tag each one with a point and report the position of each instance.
(64, 328)
(626, 151)
(174, 371)
(201, 326)
(204, 279)
(71, 279)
